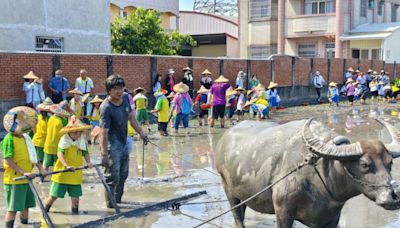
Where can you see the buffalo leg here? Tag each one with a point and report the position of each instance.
(238, 213)
(284, 216)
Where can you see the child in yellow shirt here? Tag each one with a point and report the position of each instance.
(141, 107)
(71, 152)
(54, 126)
(19, 158)
(95, 115)
(41, 127)
(162, 108)
(76, 104)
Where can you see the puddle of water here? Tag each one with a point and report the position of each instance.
(185, 175)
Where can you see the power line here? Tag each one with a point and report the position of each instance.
(221, 7)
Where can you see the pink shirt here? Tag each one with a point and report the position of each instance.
(350, 89)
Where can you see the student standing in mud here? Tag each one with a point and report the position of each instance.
(115, 112)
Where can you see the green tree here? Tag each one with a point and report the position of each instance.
(141, 33)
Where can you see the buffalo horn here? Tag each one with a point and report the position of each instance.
(394, 147)
(330, 150)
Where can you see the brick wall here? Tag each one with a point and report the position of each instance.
(138, 70)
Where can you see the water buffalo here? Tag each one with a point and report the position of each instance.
(251, 156)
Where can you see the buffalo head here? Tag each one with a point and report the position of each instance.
(366, 163)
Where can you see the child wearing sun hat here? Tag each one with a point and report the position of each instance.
(333, 94)
(54, 125)
(71, 152)
(19, 158)
(76, 104)
(162, 108)
(39, 137)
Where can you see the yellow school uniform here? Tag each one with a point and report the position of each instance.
(78, 109)
(15, 147)
(54, 125)
(131, 131)
(163, 110)
(95, 115)
(41, 131)
(73, 156)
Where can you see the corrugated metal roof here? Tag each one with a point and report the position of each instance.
(375, 36)
(379, 27)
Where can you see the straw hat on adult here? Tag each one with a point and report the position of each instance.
(19, 120)
(370, 70)
(350, 69)
(45, 105)
(240, 89)
(332, 84)
(230, 92)
(203, 90)
(272, 85)
(349, 81)
(206, 72)
(139, 90)
(75, 91)
(31, 76)
(221, 79)
(181, 88)
(160, 92)
(171, 71)
(381, 83)
(74, 125)
(96, 99)
(356, 83)
(250, 92)
(58, 110)
(186, 69)
(375, 73)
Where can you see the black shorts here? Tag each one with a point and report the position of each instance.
(374, 93)
(351, 98)
(218, 111)
(203, 113)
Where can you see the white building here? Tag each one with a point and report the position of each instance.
(55, 26)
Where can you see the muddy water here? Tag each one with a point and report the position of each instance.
(182, 159)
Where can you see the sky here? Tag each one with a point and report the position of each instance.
(186, 4)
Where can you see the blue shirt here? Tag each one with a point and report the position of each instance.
(59, 84)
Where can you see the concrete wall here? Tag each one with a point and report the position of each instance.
(84, 25)
(389, 44)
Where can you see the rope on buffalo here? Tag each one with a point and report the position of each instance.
(255, 195)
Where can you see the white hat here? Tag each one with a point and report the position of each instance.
(171, 71)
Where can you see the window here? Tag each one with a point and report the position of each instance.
(355, 53)
(330, 50)
(364, 54)
(262, 52)
(49, 44)
(318, 6)
(394, 12)
(380, 8)
(124, 14)
(260, 9)
(363, 8)
(375, 54)
(307, 50)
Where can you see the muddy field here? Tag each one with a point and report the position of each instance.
(175, 167)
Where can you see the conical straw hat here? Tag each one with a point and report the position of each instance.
(203, 90)
(139, 90)
(96, 99)
(333, 84)
(272, 85)
(221, 79)
(75, 91)
(181, 88)
(85, 97)
(230, 92)
(20, 120)
(31, 76)
(206, 71)
(58, 110)
(74, 125)
(240, 89)
(45, 106)
(260, 87)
